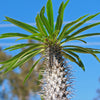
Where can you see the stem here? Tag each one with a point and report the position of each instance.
(57, 76)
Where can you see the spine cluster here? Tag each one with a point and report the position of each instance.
(57, 78)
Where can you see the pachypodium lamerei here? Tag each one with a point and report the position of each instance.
(53, 49)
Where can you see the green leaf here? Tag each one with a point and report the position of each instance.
(84, 49)
(79, 24)
(73, 40)
(8, 64)
(54, 36)
(49, 9)
(36, 49)
(22, 53)
(60, 15)
(8, 68)
(67, 26)
(45, 21)
(6, 35)
(81, 51)
(71, 59)
(26, 57)
(25, 26)
(83, 29)
(66, 3)
(76, 56)
(37, 34)
(84, 36)
(68, 57)
(62, 8)
(23, 59)
(96, 52)
(30, 71)
(78, 47)
(18, 46)
(82, 40)
(40, 26)
(31, 37)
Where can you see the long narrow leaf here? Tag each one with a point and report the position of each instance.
(18, 46)
(6, 35)
(76, 56)
(8, 64)
(81, 23)
(82, 51)
(83, 29)
(78, 47)
(60, 17)
(31, 37)
(49, 9)
(54, 35)
(32, 68)
(28, 56)
(84, 36)
(45, 21)
(67, 26)
(25, 26)
(66, 3)
(22, 53)
(22, 60)
(40, 25)
(81, 40)
(85, 49)
(67, 56)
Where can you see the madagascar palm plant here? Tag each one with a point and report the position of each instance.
(51, 46)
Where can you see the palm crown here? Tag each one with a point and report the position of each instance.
(50, 35)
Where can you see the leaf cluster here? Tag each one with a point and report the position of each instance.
(47, 33)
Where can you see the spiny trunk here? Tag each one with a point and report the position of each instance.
(57, 76)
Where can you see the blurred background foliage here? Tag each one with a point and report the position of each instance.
(15, 80)
(98, 93)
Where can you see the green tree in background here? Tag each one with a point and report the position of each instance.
(3, 94)
(20, 90)
(16, 79)
(23, 91)
(52, 48)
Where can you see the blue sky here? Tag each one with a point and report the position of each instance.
(86, 82)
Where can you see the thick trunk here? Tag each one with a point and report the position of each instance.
(57, 76)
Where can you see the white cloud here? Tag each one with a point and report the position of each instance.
(65, 22)
(11, 25)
